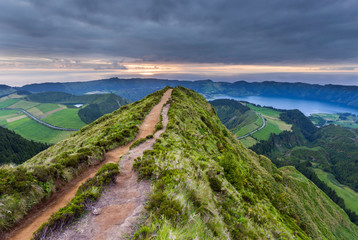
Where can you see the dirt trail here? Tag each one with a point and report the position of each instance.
(115, 215)
(60, 199)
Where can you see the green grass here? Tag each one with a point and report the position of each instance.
(273, 125)
(349, 196)
(265, 111)
(47, 107)
(248, 141)
(86, 195)
(249, 127)
(8, 102)
(32, 130)
(5, 113)
(67, 118)
(24, 104)
(265, 133)
(25, 185)
(350, 121)
(206, 185)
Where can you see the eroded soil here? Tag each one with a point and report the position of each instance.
(34, 220)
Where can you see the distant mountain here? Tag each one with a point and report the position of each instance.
(136, 88)
(16, 149)
(6, 90)
(205, 183)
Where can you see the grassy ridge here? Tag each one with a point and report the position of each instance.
(24, 186)
(208, 186)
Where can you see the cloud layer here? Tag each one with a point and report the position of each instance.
(201, 31)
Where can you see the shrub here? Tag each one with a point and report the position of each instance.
(86, 194)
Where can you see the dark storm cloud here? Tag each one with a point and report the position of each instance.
(243, 32)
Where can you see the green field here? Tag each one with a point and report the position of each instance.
(265, 133)
(273, 125)
(32, 130)
(5, 113)
(24, 104)
(249, 128)
(67, 118)
(349, 196)
(341, 119)
(47, 107)
(248, 141)
(8, 102)
(265, 111)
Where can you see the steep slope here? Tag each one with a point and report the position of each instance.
(16, 149)
(208, 186)
(31, 183)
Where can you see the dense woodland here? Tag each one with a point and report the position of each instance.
(331, 148)
(16, 149)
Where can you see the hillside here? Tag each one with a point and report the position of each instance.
(65, 112)
(331, 149)
(136, 88)
(206, 184)
(15, 149)
(245, 120)
(27, 186)
(97, 104)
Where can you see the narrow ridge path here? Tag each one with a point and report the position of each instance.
(60, 199)
(118, 210)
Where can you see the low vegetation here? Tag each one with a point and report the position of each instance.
(56, 108)
(24, 186)
(330, 148)
(347, 120)
(207, 185)
(85, 196)
(242, 118)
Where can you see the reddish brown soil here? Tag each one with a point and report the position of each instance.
(32, 223)
(116, 213)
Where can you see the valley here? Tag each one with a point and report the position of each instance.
(79, 157)
(27, 228)
(51, 116)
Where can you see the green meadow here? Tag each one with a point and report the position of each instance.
(349, 196)
(32, 130)
(67, 118)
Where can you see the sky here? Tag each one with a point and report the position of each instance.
(223, 40)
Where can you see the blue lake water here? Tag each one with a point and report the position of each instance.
(306, 106)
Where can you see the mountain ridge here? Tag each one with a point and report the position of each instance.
(341, 94)
(206, 184)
